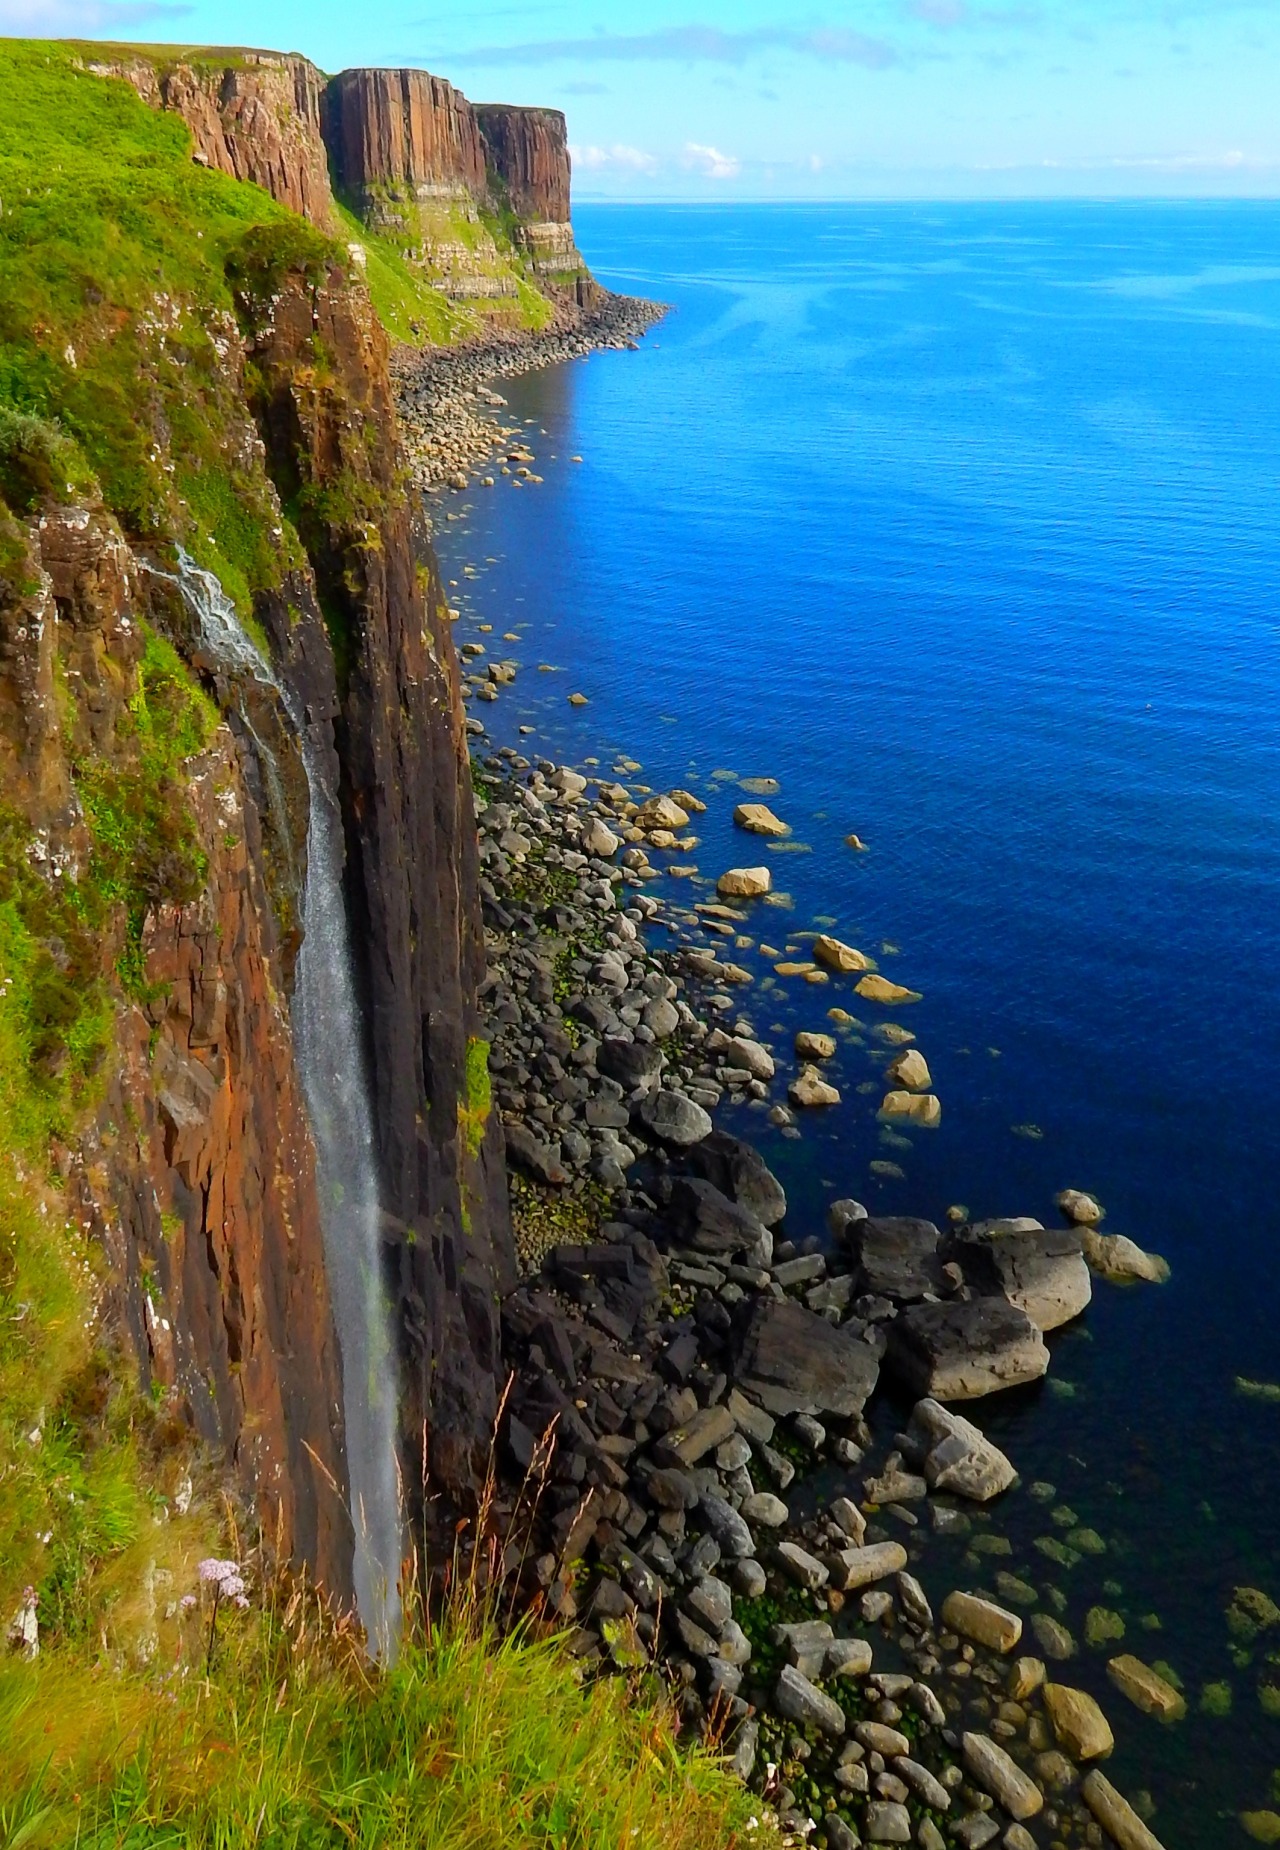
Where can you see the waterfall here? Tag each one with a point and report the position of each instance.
(330, 1059)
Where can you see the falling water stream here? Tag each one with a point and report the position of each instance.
(330, 1058)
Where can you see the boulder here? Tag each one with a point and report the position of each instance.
(599, 840)
(853, 1568)
(744, 883)
(1079, 1726)
(759, 819)
(838, 956)
(1001, 1776)
(750, 1056)
(1119, 1259)
(1041, 1270)
(814, 1046)
(911, 1070)
(793, 1361)
(801, 1702)
(535, 1158)
(1146, 1689)
(959, 1351)
(673, 1118)
(888, 1822)
(1081, 1209)
(1115, 1814)
(811, 1089)
(727, 1527)
(633, 1064)
(880, 989)
(921, 1108)
(739, 1171)
(895, 1256)
(661, 813)
(712, 1223)
(982, 1621)
(954, 1455)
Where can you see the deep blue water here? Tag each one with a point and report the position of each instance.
(961, 522)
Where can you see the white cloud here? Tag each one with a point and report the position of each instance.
(632, 160)
(712, 164)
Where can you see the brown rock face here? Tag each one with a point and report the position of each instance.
(529, 153)
(199, 1173)
(402, 130)
(257, 119)
(411, 849)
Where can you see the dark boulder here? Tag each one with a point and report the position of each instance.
(793, 1361)
(958, 1351)
(740, 1172)
(895, 1257)
(710, 1222)
(633, 1064)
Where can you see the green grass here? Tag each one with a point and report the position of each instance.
(474, 1741)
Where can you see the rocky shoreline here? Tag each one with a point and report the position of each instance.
(683, 1372)
(450, 418)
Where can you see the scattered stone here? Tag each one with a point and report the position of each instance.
(794, 1361)
(880, 989)
(888, 1823)
(759, 819)
(959, 1351)
(1079, 1208)
(1115, 1814)
(744, 883)
(1001, 1776)
(954, 1455)
(811, 1089)
(853, 1568)
(923, 1109)
(1041, 1270)
(814, 1046)
(674, 1118)
(1117, 1258)
(910, 1069)
(1146, 1689)
(800, 1701)
(839, 957)
(1053, 1638)
(982, 1621)
(1078, 1724)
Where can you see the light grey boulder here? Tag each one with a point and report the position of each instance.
(955, 1455)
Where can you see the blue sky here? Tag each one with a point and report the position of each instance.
(847, 98)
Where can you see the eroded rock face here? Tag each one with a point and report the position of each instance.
(257, 119)
(402, 129)
(411, 857)
(198, 1175)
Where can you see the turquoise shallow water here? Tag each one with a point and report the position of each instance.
(961, 523)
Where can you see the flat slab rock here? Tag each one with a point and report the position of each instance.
(896, 1257)
(1040, 1269)
(959, 1351)
(793, 1361)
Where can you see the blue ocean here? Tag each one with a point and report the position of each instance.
(960, 522)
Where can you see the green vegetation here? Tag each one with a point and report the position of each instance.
(474, 1741)
(477, 1100)
(410, 310)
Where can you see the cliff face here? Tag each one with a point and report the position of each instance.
(257, 119)
(197, 1173)
(410, 831)
(448, 179)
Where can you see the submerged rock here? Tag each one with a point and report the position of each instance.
(880, 989)
(1146, 1689)
(1119, 1259)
